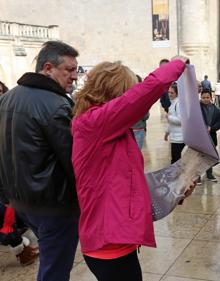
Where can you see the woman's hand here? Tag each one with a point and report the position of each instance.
(182, 58)
(190, 190)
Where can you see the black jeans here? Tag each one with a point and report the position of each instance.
(2, 214)
(126, 268)
(176, 149)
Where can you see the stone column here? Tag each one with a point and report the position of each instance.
(54, 32)
(217, 94)
(14, 29)
(194, 32)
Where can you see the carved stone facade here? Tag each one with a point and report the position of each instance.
(108, 30)
(19, 44)
(199, 35)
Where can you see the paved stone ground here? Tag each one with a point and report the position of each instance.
(188, 240)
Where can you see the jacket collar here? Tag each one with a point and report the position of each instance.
(40, 81)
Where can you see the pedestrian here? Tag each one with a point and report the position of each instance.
(199, 87)
(211, 116)
(36, 173)
(164, 99)
(113, 194)
(206, 84)
(174, 129)
(11, 230)
(140, 127)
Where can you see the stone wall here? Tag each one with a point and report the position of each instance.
(122, 30)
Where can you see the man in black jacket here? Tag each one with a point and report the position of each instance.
(211, 116)
(36, 174)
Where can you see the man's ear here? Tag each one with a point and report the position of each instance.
(47, 69)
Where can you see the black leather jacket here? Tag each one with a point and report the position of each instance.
(36, 174)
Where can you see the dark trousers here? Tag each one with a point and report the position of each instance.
(176, 149)
(124, 268)
(209, 173)
(58, 239)
(2, 214)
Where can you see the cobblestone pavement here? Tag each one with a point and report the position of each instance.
(188, 240)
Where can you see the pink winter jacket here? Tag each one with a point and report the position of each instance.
(112, 191)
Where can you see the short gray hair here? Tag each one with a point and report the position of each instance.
(53, 51)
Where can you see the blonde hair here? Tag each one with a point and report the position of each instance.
(105, 82)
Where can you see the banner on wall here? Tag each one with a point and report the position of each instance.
(160, 24)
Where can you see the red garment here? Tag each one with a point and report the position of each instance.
(112, 190)
(9, 220)
(112, 252)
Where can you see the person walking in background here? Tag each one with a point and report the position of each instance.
(164, 99)
(199, 87)
(206, 84)
(174, 130)
(140, 127)
(3, 88)
(36, 174)
(211, 116)
(11, 230)
(113, 194)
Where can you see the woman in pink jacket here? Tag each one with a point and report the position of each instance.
(113, 194)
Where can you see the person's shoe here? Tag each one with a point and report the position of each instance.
(28, 255)
(199, 181)
(212, 178)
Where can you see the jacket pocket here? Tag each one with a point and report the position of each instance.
(135, 204)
